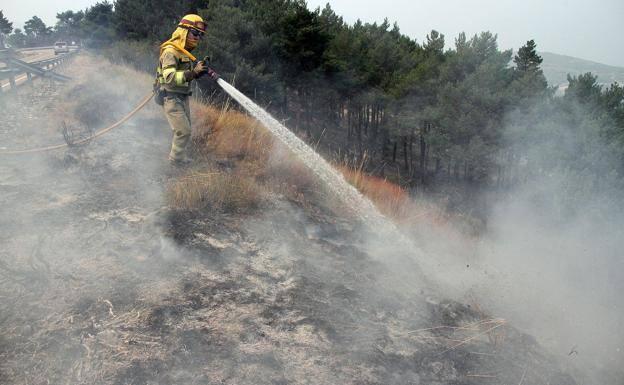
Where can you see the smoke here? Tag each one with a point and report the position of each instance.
(555, 240)
(550, 260)
(560, 278)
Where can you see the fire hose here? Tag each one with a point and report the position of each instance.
(85, 140)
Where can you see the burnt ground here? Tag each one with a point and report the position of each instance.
(101, 283)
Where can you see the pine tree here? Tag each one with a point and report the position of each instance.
(530, 81)
(5, 28)
(584, 88)
(17, 38)
(68, 24)
(36, 29)
(158, 17)
(98, 24)
(527, 59)
(435, 43)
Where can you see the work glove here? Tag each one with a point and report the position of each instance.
(209, 71)
(212, 73)
(197, 71)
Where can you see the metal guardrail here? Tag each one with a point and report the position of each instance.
(52, 60)
(42, 68)
(32, 69)
(42, 48)
(33, 48)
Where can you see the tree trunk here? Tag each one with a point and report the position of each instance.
(366, 119)
(349, 123)
(423, 154)
(394, 151)
(306, 112)
(405, 156)
(411, 151)
(359, 130)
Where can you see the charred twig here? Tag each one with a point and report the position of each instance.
(36, 255)
(483, 354)
(198, 175)
(110, 307)
(75, 136)
(481, 375)
(473, 337)
(470, 327)
(523, 375)
(67, 135)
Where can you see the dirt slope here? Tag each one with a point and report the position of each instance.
(102, 283)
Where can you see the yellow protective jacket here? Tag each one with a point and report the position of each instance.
(171, 68)
(174, 61)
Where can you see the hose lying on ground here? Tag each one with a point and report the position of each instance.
(97, 134)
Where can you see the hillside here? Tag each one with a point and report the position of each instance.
(556, 68)
(118, 269)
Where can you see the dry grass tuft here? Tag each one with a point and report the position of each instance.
(214, 190)
(230, 136)
(391, 199)
(227, 133)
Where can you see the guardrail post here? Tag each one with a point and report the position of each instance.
(11, 76)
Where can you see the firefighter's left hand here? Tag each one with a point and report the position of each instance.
(212, 73)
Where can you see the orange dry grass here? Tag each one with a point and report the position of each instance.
(395, 202)
(391, 199)
(216, 190)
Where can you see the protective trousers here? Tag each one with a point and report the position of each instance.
(178, 114)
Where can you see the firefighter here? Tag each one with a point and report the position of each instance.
(175, 73)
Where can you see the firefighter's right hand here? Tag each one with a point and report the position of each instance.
(200, 69)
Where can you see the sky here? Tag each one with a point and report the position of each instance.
(592, 30)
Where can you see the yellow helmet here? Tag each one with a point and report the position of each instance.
(192, 21)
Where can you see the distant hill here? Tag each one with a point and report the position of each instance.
(556, 67)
